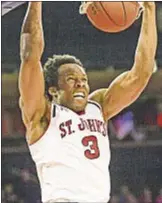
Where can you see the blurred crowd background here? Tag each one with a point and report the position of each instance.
(135, 133)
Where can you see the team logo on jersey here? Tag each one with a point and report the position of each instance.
(93, 125)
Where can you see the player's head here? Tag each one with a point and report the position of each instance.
(66, 81)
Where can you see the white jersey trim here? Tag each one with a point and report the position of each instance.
(95, 103)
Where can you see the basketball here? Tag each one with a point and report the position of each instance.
(112, 16)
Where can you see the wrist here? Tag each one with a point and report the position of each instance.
(149, 5)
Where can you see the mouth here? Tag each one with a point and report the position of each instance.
(79, 95)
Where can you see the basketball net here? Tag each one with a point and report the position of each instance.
(84, 6)
(141, 9)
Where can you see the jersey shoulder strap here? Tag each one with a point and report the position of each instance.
(95, 103)
(54, 110)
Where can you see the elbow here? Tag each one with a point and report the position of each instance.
(144, 78)
(147, 69)
(140, 79)
(29, 55)
(143, 67)
(145, 58)
(30, 50)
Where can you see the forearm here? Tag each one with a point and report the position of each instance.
(147, 43)
(31, 79)
(32, 40)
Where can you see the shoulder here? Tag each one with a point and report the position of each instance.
(97, 96)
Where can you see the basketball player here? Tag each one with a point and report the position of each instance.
(65, 125)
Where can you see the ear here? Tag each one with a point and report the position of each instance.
(53, 91)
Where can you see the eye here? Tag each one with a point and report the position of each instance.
(84, 79)
(70, 78)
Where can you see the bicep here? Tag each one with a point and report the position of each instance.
(31, 87)
(123, 91)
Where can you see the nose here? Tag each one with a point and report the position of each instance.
(80, 83)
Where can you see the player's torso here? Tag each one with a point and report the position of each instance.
(73, 155)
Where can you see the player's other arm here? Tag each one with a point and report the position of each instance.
(31, 80)
(127, 87)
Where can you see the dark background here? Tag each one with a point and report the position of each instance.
(68, 32)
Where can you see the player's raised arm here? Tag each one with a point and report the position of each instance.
(126, 88)
(31, 80)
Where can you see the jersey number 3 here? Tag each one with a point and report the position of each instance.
(92, 143)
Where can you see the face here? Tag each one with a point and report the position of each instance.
(73, 87)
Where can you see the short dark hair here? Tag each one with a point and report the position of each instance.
(51, 70)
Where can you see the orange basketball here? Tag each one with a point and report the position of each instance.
(112, 16)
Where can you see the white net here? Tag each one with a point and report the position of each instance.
(83, 7)
(141, 9)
